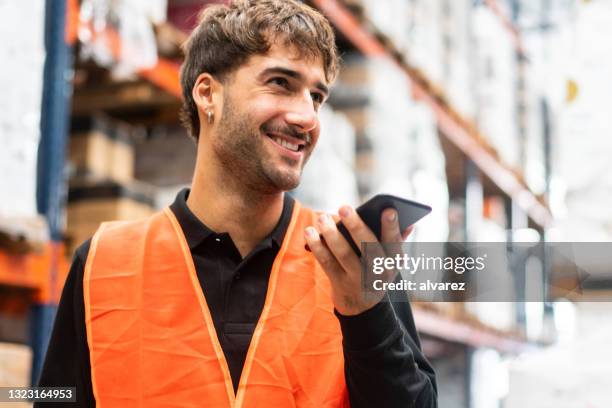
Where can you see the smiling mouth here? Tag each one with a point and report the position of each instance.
(289, 143)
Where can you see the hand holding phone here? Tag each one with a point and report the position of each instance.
(409, 212)
(333, 254)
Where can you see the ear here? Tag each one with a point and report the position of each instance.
(206, 94)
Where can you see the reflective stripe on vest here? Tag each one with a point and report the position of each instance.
(151, 338)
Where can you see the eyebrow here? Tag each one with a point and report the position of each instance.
(293, 74)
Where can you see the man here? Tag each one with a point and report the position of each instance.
(214, 301)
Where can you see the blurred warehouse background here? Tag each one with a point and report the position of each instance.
(495, 112)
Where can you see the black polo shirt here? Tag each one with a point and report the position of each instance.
(234, 288)
(384, 365)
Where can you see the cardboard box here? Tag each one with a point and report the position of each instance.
(101, 149)
(166, 158)
(91, 204)
(15, 361)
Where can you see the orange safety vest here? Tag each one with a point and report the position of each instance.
(151, 338)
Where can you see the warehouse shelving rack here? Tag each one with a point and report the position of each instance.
(458, 130)
(480, 159)
(40, 271)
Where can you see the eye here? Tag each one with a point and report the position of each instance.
(317, 97)
(280, 81)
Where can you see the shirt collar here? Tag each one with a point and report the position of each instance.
(196, 231)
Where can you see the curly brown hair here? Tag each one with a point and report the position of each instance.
(227, 35)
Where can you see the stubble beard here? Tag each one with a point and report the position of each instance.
(239, 146)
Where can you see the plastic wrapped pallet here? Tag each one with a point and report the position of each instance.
(500, 315)
(496, 85)
(458, 57)
(489, 377)
(424, 46)
(434, 36)
(391, 17)
(20, 100)
(534, 161)
(328, 181)
(544, 77)
(415, 29)
(398, 150)
(408, 162)
(389, 130)
(584, 145)
(576, 371)
(133, 21)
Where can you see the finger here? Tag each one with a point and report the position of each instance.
(358, 230)
(322, 253)
(390, 229)
(336, 219)
(407, 232)
(337, 244)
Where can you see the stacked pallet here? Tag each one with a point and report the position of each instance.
(397, 149)
(15, 361)
(102, 185)
(14, 365)
(101, 149)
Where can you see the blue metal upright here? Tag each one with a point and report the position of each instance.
(51, 180)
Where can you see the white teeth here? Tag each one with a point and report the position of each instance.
(286, 144)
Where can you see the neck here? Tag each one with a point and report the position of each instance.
(224, 204)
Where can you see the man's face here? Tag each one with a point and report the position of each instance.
(269, 124)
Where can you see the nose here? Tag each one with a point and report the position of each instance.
(302, 113)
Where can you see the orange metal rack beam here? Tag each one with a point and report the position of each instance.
(505, 20)
(433, 324)
(165, 74)
(43, 271)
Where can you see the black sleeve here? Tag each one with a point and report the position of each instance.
(384, 364)
(67, 358)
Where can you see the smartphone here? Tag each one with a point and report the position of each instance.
(409, 212)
